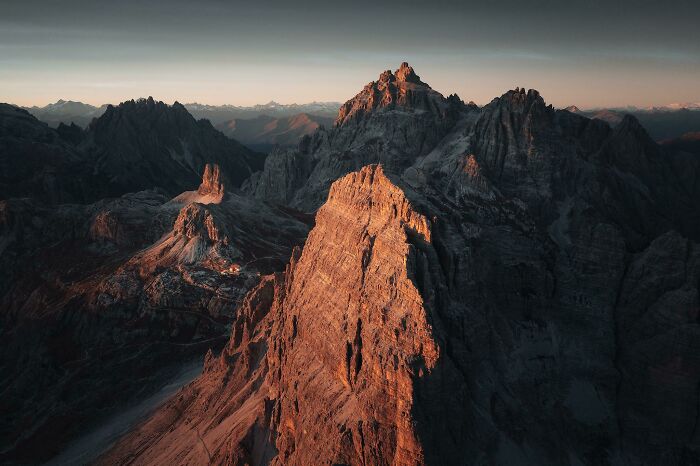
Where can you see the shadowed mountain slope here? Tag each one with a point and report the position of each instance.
(147, 143)
(135, 146)
(102, 302)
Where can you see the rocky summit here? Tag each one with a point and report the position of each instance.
(425, 282)
(401, 89)
(393, 121)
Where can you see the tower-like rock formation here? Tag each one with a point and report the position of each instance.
(212, 181)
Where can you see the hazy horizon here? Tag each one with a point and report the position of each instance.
(590, 54)
(340, 102)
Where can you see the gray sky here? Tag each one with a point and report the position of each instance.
(588, 53)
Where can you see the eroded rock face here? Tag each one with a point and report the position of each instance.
(196, 221)
(350, 294)
(658, 338)
(401, 89)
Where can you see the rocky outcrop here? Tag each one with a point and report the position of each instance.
(196, 221)
(401, 89)
(345, 321)
(286, 172)
(212, 181)
(513, 141)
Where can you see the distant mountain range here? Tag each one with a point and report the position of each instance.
(265, 125)
(259, 126)
(661, 123)
(264, 132)
(218, 114)
(662, 108)
(68, 111)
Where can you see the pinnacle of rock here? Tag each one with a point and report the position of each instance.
(405, 73)
(212, 181)
(403, 89)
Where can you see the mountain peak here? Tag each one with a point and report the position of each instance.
(145, 107)
(402, 88)
(520, 100)
(405, 73)
(147, 143)
(630, 128)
